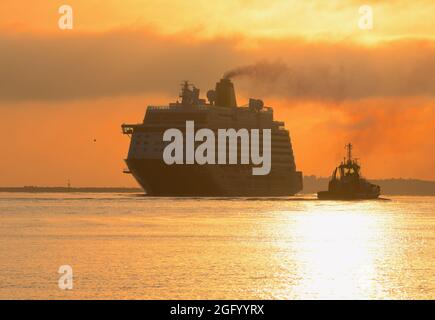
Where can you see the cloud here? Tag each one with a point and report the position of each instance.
(70, 66)
(379, 97)
(119, 63)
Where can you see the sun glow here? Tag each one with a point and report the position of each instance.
(335, 251)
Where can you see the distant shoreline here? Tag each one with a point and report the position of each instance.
(312, 184)
(35, 189)
(398, 187)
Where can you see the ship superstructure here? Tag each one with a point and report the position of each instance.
(220, 110)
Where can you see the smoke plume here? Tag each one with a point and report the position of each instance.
(394, 71)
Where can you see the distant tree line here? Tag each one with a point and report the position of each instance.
(312, 184)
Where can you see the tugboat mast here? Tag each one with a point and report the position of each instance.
(349, 152)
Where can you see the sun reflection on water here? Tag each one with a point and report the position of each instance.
(336, 251)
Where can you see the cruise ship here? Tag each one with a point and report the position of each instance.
(220, 110)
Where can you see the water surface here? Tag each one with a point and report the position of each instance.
(127, 246)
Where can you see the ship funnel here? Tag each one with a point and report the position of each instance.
(225, 94)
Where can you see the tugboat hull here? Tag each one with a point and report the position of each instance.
(326, 195)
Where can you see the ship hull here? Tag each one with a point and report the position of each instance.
(160, 179)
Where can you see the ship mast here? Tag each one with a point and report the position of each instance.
(349, 151)
(185, 92)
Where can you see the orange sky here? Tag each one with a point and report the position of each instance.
(330, 81)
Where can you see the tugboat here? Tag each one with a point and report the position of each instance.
(347, 183)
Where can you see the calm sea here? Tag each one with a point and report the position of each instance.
(125, 246)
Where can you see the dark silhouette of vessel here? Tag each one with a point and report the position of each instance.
(347, 182)
(145, 156)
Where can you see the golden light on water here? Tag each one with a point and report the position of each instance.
(341, 252)
(133, 247)
(337, 249)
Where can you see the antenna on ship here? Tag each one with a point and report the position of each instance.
(185, 85)
(186, 93)
(349, 148)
